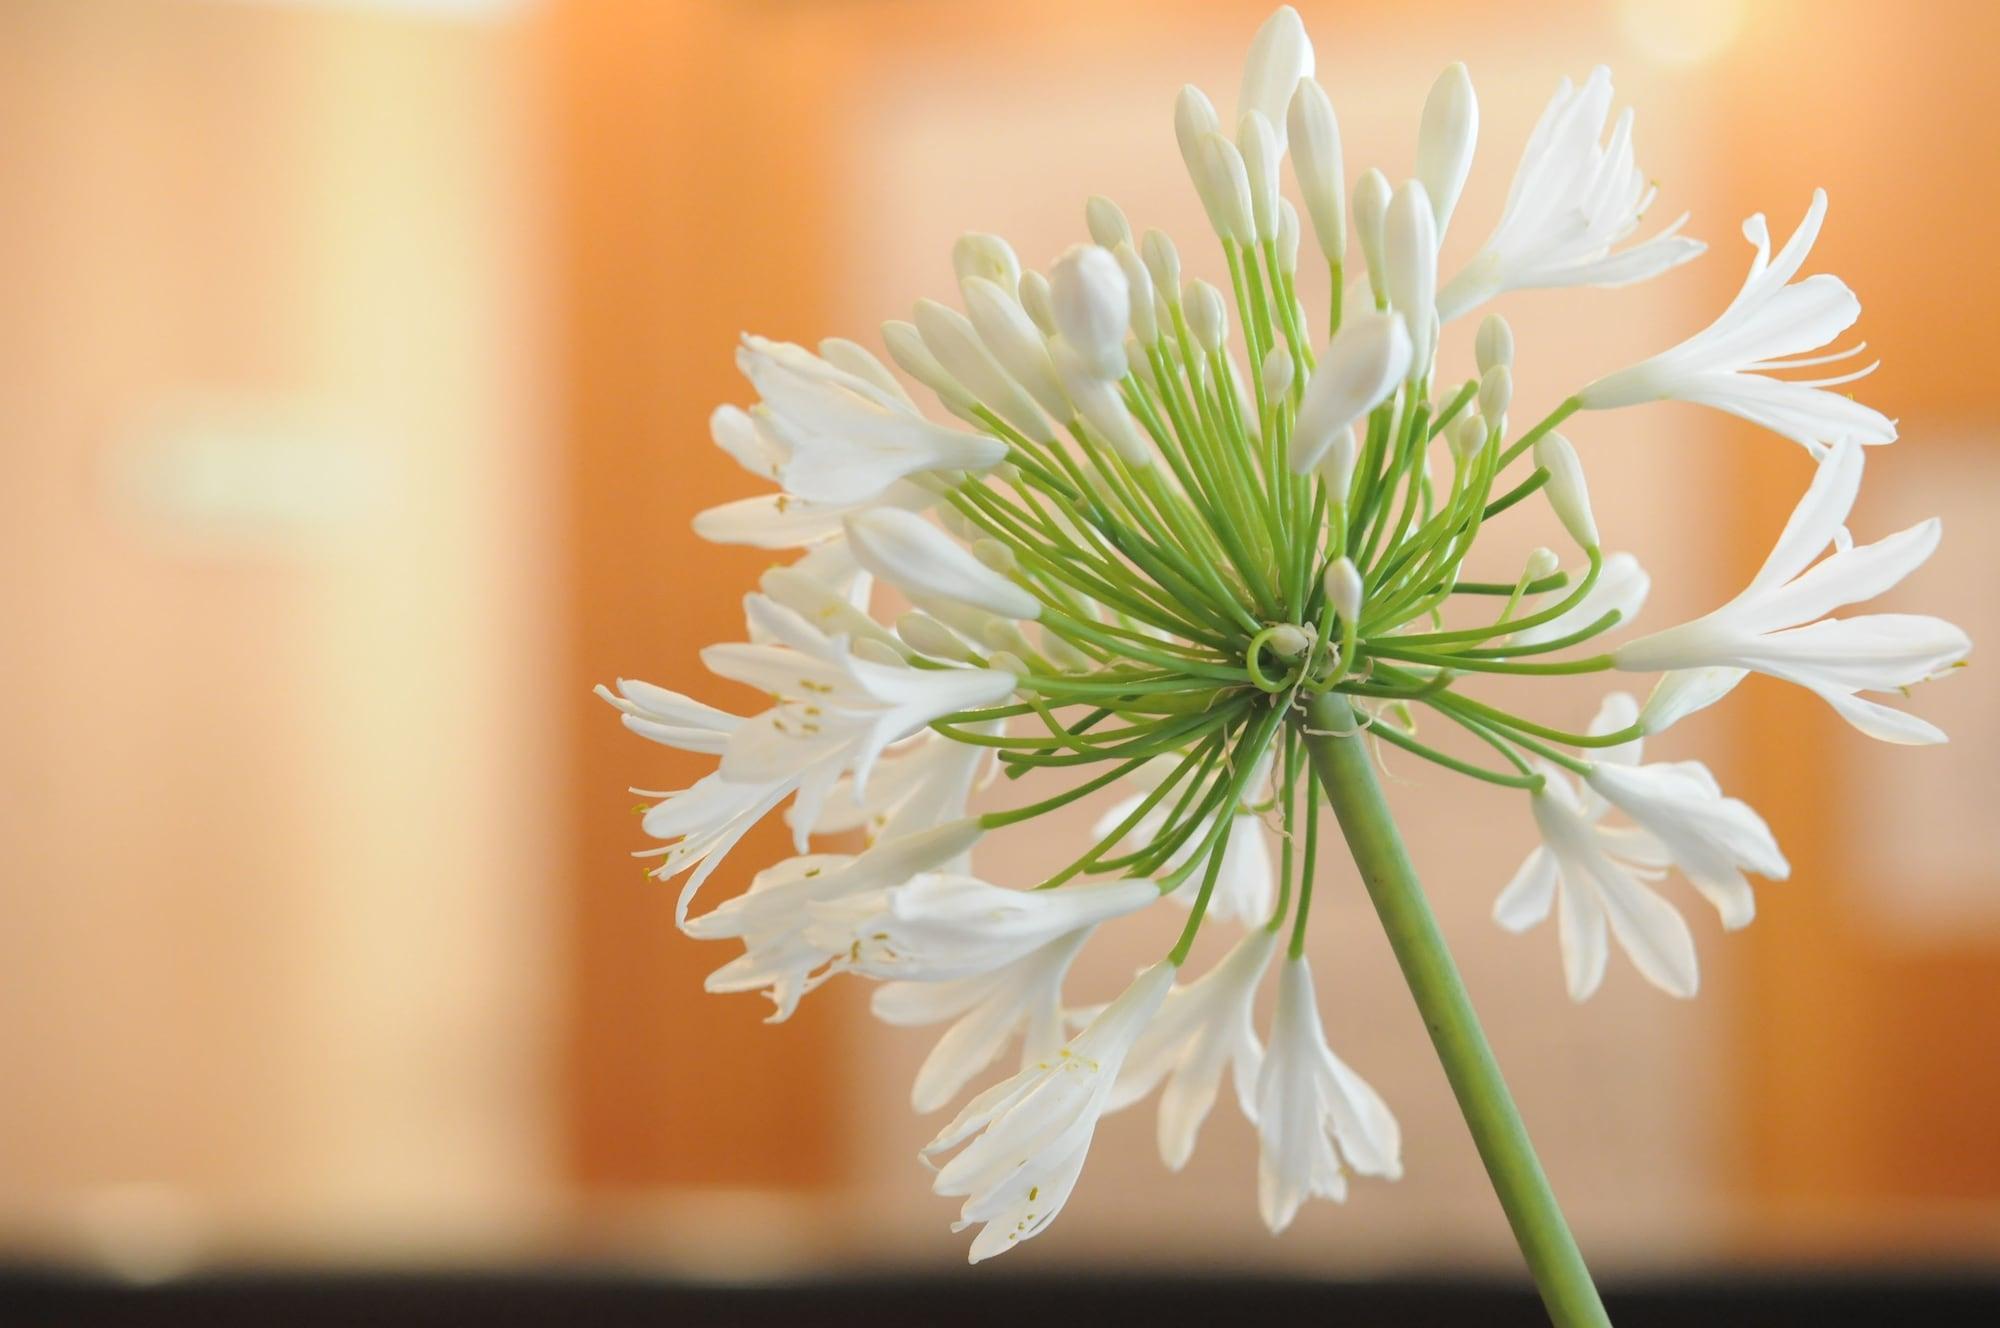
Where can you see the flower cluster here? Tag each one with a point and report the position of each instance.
(1133, 544)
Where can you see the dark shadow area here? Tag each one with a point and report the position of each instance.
(307, 1300)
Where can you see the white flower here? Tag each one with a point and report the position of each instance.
(1243, 884)
(988, 1009)
(1573, 200)
(778, 520)
(940, 926)
(1710, 838)
(916, 785)
(1034, 1129)
(1724, 365)
(1622, 585)
(1201, 1028)
(1363, 365)
(844, 439)
(1316, 1118)
(1776, 625)
(773, 917)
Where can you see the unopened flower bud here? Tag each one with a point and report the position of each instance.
(1466, 436)
(1037, 303)
(1106, 222)
(1542, 563)
(1278, 371)
(996, 555)
(1062, 654)
(1409, 258)
(1012, 338)
(1093, 307)
(877, 652)
(1288, 641)
(1568, 494)
(1336, 466)
(1223, 183)
(1344, 589)
(1008, 663)
(1163, 260)
(1098, 401)
(950, 337)
(1445, 140)
(858, 360)
(927, 636)
(922, 561)
(1257, 142)
(907, 349)
(1496, 391)
(1280, 55)
(1288, 237)
(1207, 316)
(1363, 365)
(1315, 148)
(1145, 325)
(1194, 116)
(988, 256)
(1003, 636)
(1371, 209)
(1494, 343)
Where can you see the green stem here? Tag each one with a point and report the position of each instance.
(1342, 762)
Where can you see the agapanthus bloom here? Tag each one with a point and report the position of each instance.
(1204, 547)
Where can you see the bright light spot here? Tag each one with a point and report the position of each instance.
(1681, 32)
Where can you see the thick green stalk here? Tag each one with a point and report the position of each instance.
(1342, 762)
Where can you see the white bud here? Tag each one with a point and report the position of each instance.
(1098, 401)
(1004, 636)
(1207, 316)
(949, 336)
(877, 652)
(1164, 262)
(988, 256)
(1278, 371)
(1496, 392)
(996, 555)
(1258, 144)
(957, 522)
(1336, 465)
(1194, 116)
(1037, 303)
(1224, 186)
(1007, 663)
(1288, 641)
(1445, 141)
(1280, 55)
(1288, 237)
(1344, 589)
(907, 349)
(1322, 176)
(858, 360)
(1568, 494)
(1093, 307)
(1062, 654)
(927, 636)
(1371, 209)
(1494, 343)
(1467, 434)
(1542, 563)
(1013, 339)
(1362, 366)
(1107, 223)
(1145, 323)
(922, 561)
(1409, 264)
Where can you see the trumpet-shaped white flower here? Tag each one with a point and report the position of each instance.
(844, 439)
(778, 520)
(1712, 839)
(940, 927)
(1203, 1028)
(1777, 625)
(987, 1010)
(1242, 883)
(916, 785)
(1773, 317)
(1316, 1118)
(1572, 202)
(1033, 1130)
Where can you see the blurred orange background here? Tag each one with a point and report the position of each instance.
(355, 362)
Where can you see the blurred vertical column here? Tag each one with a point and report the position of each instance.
(276, 537)
(697, 161)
